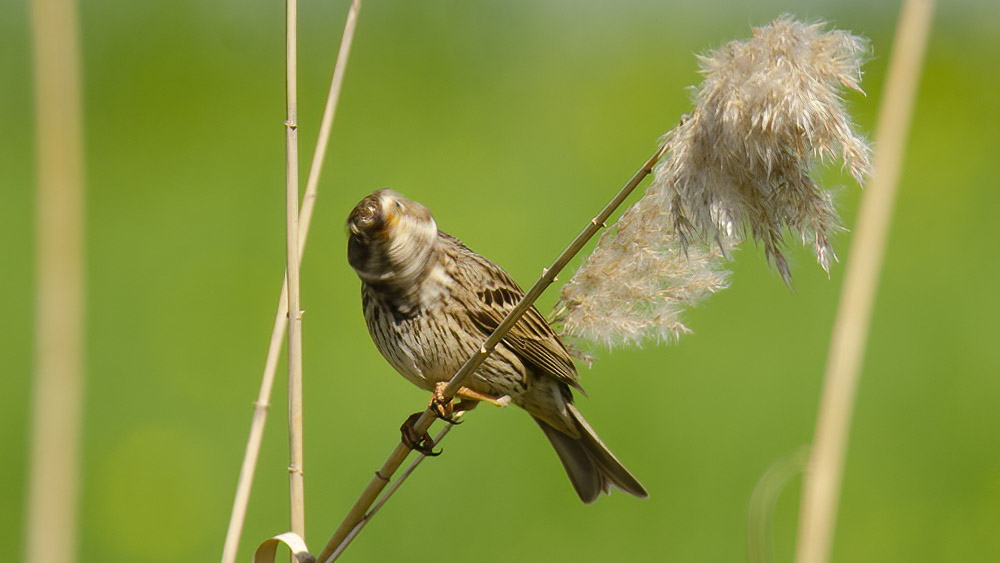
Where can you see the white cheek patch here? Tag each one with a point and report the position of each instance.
(411, 241)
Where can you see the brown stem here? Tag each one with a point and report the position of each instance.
(388, 494)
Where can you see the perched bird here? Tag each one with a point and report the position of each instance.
(430, 302)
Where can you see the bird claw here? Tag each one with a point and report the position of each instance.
(443, 409)
(420, 443)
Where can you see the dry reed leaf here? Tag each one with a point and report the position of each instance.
(267, 550)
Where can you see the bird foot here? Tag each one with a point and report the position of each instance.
(444, 409)
(468, 399)
(411, 439)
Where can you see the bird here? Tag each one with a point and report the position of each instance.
(429, 302)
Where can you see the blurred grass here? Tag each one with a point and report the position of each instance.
(473, 109)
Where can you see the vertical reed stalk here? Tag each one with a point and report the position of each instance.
(242, 498)
(295, 466)
(821, 488)
(53, 474)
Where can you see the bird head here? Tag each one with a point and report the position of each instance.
(391, 238)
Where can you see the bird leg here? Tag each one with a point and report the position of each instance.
(446, 411)
(423, 444)
(466, 393)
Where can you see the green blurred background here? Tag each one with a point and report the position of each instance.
(513, 121)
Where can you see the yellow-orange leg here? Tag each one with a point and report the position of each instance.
(469, 399)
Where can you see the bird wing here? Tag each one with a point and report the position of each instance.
(531, 338)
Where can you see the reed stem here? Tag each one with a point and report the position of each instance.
(821, 488)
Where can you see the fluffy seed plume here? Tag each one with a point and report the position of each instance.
(737, 167)
(768, 109)
(639, 280)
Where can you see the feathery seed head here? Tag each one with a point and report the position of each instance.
(768, 109)
(639, 280)
(737, 166)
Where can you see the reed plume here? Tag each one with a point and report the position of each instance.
(738, 166)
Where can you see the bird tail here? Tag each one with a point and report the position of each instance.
(591, 466)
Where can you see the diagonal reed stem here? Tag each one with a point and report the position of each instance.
(252, 452)
(823, 477)
(382, 476)
(390, 491)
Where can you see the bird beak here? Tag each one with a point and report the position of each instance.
(366, 216)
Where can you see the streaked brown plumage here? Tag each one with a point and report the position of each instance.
(429, 302)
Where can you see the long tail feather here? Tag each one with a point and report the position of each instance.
(591, 466)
